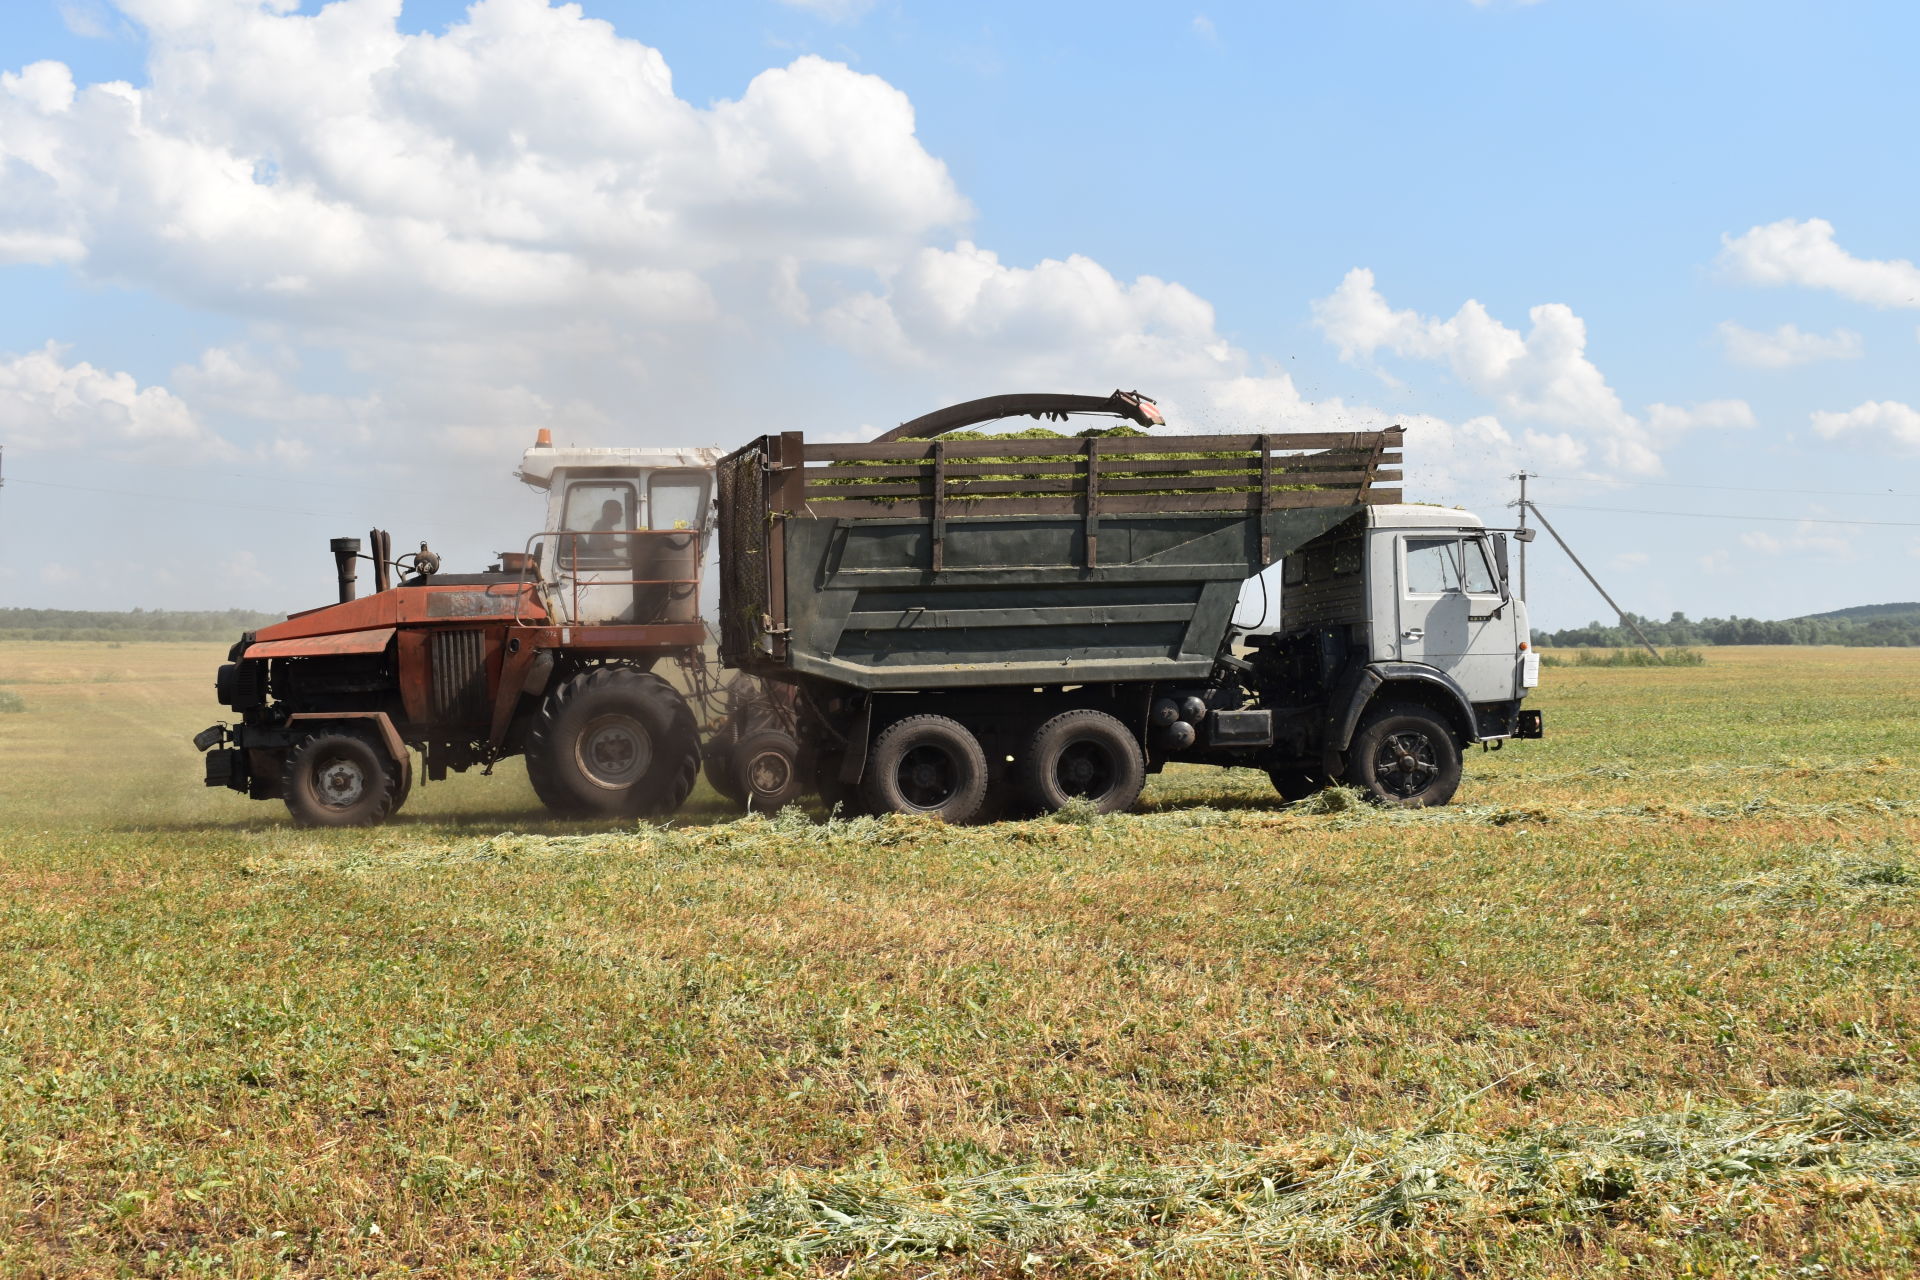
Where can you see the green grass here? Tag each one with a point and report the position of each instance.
(1679, 657)
(1641, 1003)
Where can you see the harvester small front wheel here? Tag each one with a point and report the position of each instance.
(339, 778)
(766, 770)
(613, 742)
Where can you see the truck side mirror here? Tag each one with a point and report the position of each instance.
(1526, 535)
(1500, 556)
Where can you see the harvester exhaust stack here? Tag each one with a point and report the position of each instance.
(345, 552)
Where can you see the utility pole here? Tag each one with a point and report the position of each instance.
(1625, 619)
(1522, 477)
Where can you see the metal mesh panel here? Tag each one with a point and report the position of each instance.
(743, 553)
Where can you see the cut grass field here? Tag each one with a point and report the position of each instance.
(1641, 1003)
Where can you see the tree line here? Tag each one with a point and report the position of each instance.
(131, 624)
(1873, 631)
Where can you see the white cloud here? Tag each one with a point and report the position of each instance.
(1805, 253)
(1787, 346)
(527, 161)
(1809, 539)
(1204, 28)
(1068, 319)
(1876, 423)
(1630, 560)
(1544, 376)
(1716, 561)
(47, 405)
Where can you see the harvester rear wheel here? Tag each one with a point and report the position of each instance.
(613, 742)
(339, 778)
(1085, 755)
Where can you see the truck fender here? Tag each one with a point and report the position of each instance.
(1355, 691)
(396, 749)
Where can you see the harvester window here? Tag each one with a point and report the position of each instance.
(676, 502)
(601, 510)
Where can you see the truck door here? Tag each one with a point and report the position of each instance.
(1449, 598)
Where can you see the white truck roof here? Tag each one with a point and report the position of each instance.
(1413, 515)
(539, 463)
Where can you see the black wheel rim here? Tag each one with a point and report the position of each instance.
(929, 776)
(1407, 764)
(1085, 769)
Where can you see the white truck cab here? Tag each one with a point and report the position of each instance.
(1438, 591)
(625, 530)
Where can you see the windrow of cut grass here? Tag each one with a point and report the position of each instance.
(1632, 1007)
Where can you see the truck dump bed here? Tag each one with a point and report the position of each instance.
(923, 564)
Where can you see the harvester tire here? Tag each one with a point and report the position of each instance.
(1086, 755)
(339, 778)
(928, 765)
(613, 743)
(765, 768)
(1404, 756)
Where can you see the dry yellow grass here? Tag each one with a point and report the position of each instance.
(236, 1048)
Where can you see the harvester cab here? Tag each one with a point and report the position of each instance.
(624, 533)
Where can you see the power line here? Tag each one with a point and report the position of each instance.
(1732, 488)
(1718, 515)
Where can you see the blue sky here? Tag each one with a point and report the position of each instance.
(325, 266)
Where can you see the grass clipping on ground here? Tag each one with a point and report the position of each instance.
(1334, 1193)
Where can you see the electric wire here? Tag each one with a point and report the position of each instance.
(1721, 515)
(1730, 488)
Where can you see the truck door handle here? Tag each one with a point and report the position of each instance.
(1414, 633)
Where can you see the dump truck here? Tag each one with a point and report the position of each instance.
(980, 626)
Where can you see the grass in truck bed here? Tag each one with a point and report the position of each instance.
(1641, 1003)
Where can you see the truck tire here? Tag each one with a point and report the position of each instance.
(765, 768)
(1406, 756)
(928, 765)
(1294, 785)
(338, 778)
(1086, 755)
(613, 742)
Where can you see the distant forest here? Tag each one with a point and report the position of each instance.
(1872, 625)
(130, 625)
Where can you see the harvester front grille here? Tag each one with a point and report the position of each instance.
(459, 676)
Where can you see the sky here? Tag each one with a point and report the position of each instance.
(275, 272)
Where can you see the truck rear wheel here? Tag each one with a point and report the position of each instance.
(339, 778)
(1404, 755)
(1085, 755)
(613, 742)
(929, 765)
